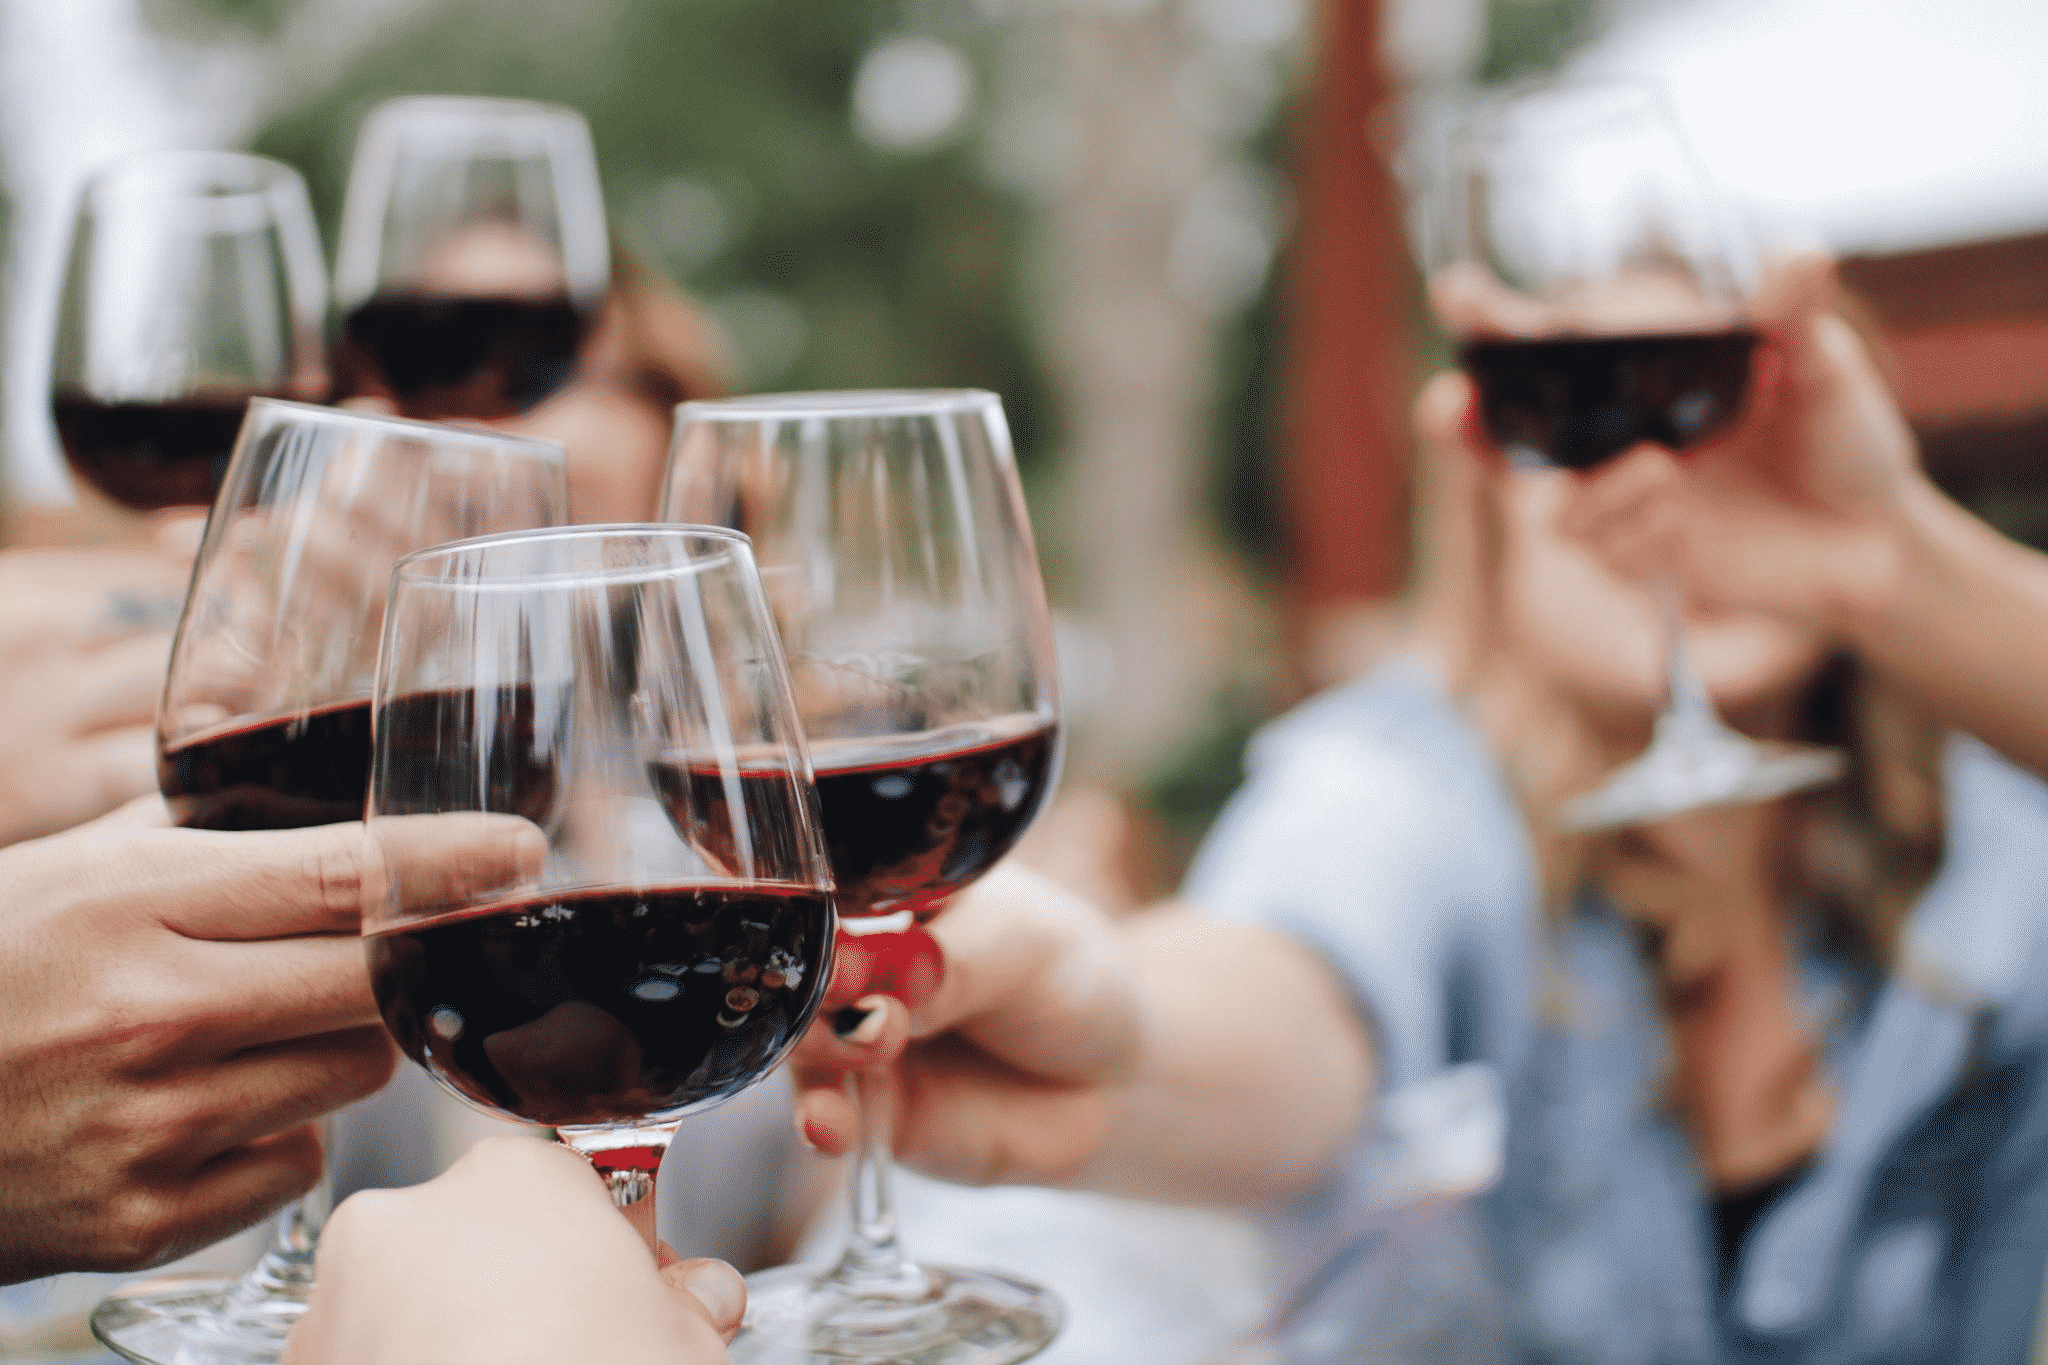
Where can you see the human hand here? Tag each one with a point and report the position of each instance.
(1799, 512)
(514, 1255)
(1007, 1072)
(84, 635)
(181, 1003)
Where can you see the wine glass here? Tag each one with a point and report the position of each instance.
(195, 283)
(897, 555)
(265, 721)
(621, 690)
(472, 255)
(1598, 291)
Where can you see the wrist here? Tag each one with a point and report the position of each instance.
(1888, 566)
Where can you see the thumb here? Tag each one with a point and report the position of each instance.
(712, 1290)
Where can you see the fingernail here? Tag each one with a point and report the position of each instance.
(817, 1134)
(720, 1289)
(848, 1022)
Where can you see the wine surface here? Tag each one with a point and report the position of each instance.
(461, 356)
(504, 768)
(612, 1004)
(149, 456)
(908, 819)
(1576, 402)
(312, 768)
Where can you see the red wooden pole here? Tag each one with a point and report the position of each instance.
(1349, 330)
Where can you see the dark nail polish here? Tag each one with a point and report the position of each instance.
(847, 1020)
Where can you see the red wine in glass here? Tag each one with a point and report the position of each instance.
(461, 356)
(309, 768)
(909, 819)
(147, 456)
(1578, 401)
(610, 1004)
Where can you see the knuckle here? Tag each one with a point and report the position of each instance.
(335, 871)
(139, 1229)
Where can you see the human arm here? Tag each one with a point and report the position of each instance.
(1172, 1055)
(181, 1004)
(514, 1255)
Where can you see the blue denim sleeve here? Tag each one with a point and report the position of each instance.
(1376, 830)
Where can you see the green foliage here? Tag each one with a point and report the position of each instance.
(1531, 37)
(204, 19)
(729, 158)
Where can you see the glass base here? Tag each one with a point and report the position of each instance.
(798, 1313)
(197, 1320)
(1719, 768)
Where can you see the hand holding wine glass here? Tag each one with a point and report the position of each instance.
(265, 719)
(195, 283)
(897, 554)
(515, 1253)
(677, 937)
(1601, 296)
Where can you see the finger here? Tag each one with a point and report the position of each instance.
(826, 1119)
(1802, 286)
(263, 1091)
(869, 1033)
(151, 1224)
(1622, 487)
(429, 863)
(87, 780)
(144, 812)
(177, 535)
(711, 1290)
(966, 1119)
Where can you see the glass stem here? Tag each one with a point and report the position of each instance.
(285, 1271)
(629, 1160)
(873, 1264)
(1688, 711)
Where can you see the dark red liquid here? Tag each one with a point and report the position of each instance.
(460, 357)
(1578, 401)
(504, 768)
(308, 769)
(150, 456)
(591, 1006)
(908, 820)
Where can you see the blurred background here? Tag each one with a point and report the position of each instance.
(1169, 232)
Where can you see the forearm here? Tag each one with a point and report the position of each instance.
(1956, 616)
(1253, 1073)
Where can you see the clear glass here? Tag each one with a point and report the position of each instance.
(472, 256)
(195, 283)
(620, 691)
(897, 557)
(265, 721)
(1598, 289)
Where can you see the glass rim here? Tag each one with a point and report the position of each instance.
(439, 431)
(1487, 117)
(263, 175)
(876, 404)
(406, 570)
(467, 106)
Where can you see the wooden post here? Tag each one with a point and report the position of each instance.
(1349, 342)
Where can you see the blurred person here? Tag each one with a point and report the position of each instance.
(182, 1004)
(1774, 1077)
(515, 1255)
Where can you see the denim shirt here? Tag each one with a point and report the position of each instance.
(1376, 828)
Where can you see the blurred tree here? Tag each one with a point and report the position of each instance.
(732, 159)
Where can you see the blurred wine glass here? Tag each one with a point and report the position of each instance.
(897, 555)
(473, 255)
(195, 283)
(265, 720)
(1598, 288)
